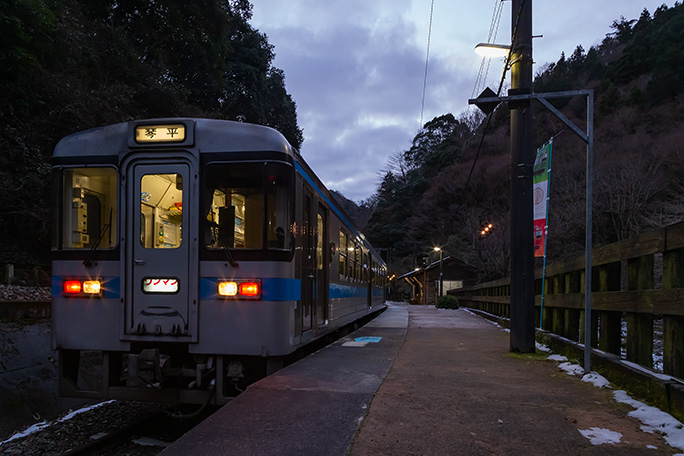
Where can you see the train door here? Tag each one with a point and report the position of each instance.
(322, 252)
(308, 263)
(370, 266)
(158, 289)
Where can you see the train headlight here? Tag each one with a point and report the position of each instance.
(227, 288)
(91, 287)
(240, 289)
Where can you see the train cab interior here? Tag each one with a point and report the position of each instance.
(89, 209)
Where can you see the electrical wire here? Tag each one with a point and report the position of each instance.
(427, 59)
(498, 92)
(483, 72)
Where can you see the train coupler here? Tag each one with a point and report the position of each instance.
(145, 369)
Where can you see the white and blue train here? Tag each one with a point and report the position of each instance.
(192, 256)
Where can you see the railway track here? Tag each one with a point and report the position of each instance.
(146, 436)
(22, 310)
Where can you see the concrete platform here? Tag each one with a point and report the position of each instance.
(419, 380)
(312, 407)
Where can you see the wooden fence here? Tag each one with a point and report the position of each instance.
(635, 283)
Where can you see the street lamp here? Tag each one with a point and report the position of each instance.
(441, 271)
(492, 50)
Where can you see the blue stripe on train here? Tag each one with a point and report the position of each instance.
(338, 291)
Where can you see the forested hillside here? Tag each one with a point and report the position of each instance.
(427, 199)
(69, 65)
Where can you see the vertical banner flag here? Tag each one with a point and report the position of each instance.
(540, 195)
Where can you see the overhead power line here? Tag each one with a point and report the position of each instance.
(481, 80)
(507, 63)
(427, 59)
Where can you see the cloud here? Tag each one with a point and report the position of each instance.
(358, 91)
(355, 68)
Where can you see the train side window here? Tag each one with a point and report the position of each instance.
(352, 259)
(280, 181)
(89, 202)
(248, 206)
(319, 243)
(343, 254)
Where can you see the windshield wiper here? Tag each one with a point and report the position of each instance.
(229, 255)
(107, 226)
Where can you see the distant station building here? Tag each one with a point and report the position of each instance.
(421, 286)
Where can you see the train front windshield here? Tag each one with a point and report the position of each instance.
(248, 206)
(89, 208)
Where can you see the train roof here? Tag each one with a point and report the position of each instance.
(207, 135)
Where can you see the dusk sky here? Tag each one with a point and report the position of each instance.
(355, 68)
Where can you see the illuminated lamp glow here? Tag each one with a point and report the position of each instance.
(249, 289)
(72, 286)
(91, 287)
(227, 288)
(492, 50)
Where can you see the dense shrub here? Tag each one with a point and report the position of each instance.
(447, 302)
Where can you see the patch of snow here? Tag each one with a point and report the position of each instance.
(44, 424)
(596, 379)
(654, 419)
(72, 414)
(572, 369)
(600, 436)
(28, 431)
(559, 358)
(542, 347)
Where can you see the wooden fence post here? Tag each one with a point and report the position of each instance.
(640, 325)
(572, 316)
(673, 325)
(559, 312)
(594, 317)
(611, 321)
(547, 317)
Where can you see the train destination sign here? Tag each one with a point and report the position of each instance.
(159, 133)
(160, 285)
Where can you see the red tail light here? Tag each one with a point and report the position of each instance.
(250, 289)
(72, 286)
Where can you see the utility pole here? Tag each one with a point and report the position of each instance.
(522, 159)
